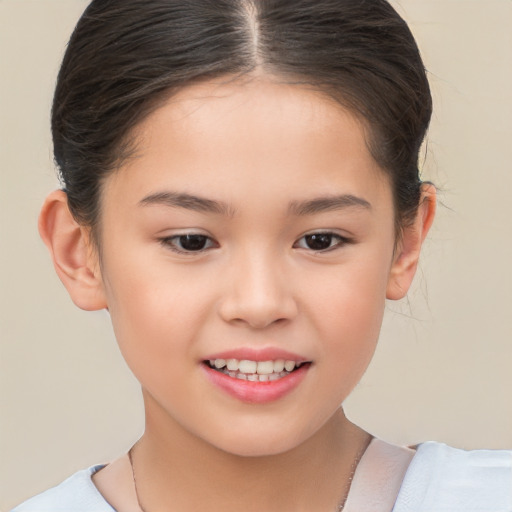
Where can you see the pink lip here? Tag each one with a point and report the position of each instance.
(262, 354)
(256, 392)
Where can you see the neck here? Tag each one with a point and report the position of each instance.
(173, 467)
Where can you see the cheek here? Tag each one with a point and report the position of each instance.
(155, 316)
(352, 297)
(348, 317)
(155, 333)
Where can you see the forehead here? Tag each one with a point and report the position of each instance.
(257, 111)
(258, 133)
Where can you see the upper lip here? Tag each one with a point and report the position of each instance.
(259, 354)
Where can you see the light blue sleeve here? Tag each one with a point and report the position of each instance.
(76, 494)
(445, 479)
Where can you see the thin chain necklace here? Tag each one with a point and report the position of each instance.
(353, 468)
(339, 507)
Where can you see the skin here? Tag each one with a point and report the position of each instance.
(260, 148)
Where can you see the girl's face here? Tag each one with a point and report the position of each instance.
(252, 225)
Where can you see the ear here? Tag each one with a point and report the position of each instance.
(407, 255)
(73, 254)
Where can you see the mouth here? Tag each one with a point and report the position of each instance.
(256, 371)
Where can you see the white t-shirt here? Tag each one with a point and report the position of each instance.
(438, 479)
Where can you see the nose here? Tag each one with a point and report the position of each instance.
(257, 293)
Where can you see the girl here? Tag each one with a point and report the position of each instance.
(241, 193)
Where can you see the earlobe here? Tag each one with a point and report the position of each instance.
(72, 253)
(406, 258)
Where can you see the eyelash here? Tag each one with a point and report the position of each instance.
(339, 240)
(171, 242)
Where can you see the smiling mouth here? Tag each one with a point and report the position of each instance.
(255, 371)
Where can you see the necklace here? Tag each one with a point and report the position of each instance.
(353, 468)
(339, 507)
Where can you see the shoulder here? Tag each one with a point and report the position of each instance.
(77, 493)
(447, 479)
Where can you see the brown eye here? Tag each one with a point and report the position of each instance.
(192, 242)
(321, 241)
(188, 243)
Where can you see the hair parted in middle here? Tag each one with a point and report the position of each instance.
(126, 57)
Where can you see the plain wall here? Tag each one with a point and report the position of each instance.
(442, 369)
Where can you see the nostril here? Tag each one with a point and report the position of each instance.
(257, 297)
(258, 323)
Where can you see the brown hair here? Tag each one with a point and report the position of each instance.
(125, 56)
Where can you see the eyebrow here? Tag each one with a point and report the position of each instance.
(187, 201)
(299, 208)
(328, 204)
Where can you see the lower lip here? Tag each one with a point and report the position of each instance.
(256, 392)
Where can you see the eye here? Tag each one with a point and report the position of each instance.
(188, 243)
(321, 241)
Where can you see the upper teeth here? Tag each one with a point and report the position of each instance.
(255, 367)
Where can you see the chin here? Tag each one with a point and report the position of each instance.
(256, 442)
(257, 448)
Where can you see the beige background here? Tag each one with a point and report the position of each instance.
(442, 370)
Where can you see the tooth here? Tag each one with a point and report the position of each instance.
(273, 376)
(232, 374)
(232, 364)
(247, 366)
(252, 377)
(212, 362)
(241, 376)
(289, 365)
(263, 378)
(278, 366)
(265, 367)
(219, 363)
